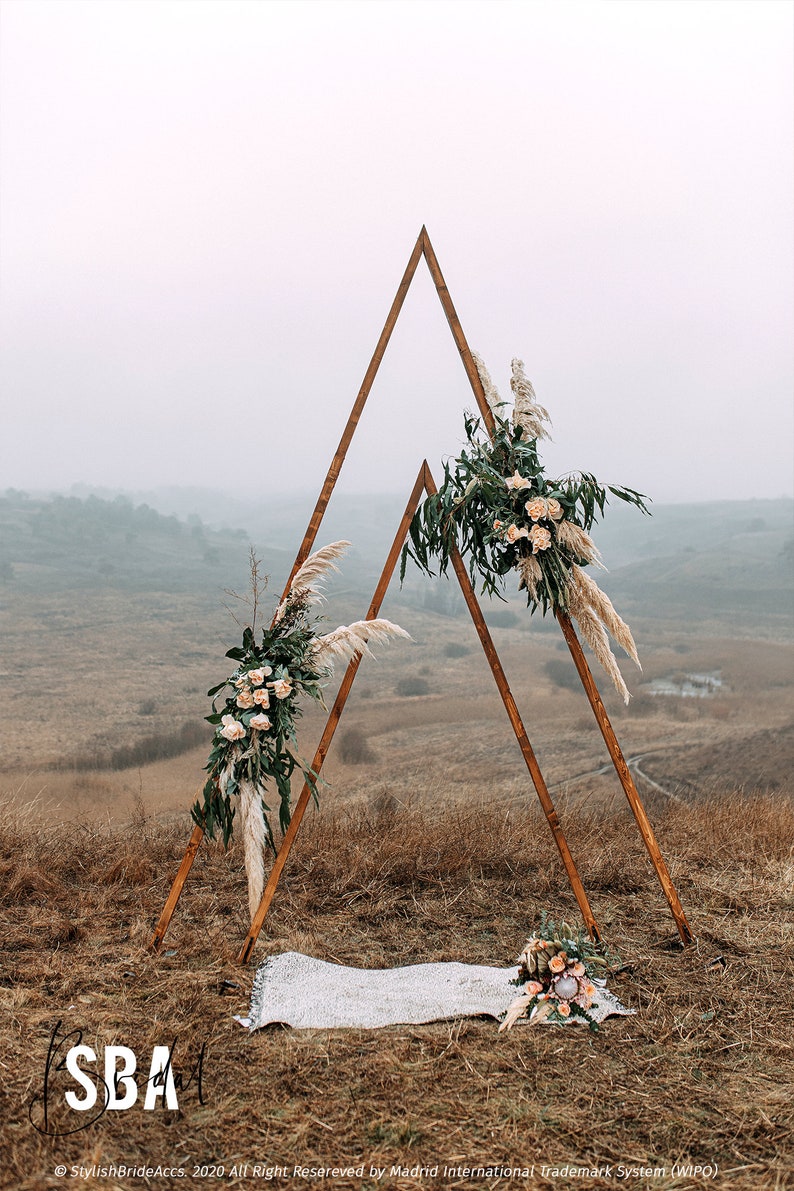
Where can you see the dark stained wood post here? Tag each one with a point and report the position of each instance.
(330, 726)
(176, 888)
(520, 732)
(624, 774)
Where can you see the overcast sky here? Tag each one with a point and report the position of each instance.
(207, 206)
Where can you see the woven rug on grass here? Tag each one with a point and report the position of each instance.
(307, 993)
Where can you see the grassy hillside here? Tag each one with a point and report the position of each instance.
(124, 610)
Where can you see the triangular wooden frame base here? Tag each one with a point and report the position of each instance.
(424, 482)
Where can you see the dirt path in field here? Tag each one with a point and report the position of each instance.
(634, 768)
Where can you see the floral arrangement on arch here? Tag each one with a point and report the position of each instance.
(255, 742)
(559, 973)
(498, 507)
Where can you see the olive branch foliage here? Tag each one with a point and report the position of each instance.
(287, 649)
(473, 496)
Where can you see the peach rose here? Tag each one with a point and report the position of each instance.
(533, 987)
(555, 509)
(497, 525)
(282, 687)
(262, 697)
(256, 677)
(557, 963)
(260, 722)
(578, 969)
(514, 533)
(517, 482)
(563, 1009)
(232, 729)
(245, 699)
(540, 538)
(536, 508)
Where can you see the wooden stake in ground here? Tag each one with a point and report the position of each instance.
(423, 247)
(626, 780)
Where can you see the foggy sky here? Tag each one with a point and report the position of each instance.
(207, 207)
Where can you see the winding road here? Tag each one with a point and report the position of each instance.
(634, 767)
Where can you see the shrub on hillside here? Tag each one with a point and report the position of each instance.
(413, 686)
(354, 747)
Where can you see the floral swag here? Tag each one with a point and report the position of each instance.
(255, 730)
(498, 507)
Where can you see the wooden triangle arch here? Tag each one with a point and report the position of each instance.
(425, 484)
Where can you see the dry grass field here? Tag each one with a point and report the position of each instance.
(428, 845)
(701, 1076)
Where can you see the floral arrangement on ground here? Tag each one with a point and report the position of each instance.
(255, 741)
(497, 506)
(560, 973)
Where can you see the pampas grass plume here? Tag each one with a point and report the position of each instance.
(489, 388)
(316, 568)
(254, 835)
(578, 541)
(527, 413)
(348, 640)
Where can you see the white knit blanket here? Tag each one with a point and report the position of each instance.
(308, 993)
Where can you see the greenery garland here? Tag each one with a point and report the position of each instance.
(255, 740)
(497, 507)
(256, 727)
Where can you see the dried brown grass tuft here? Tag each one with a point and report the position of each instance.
(701, 1074)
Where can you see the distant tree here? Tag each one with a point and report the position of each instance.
(501, 618)
(454, 649)
(562, 674)
(354, 747)
(413, 686)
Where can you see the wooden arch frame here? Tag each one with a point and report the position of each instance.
(425, 484)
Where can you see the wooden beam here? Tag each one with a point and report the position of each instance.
(315, 521)
(304, 550)
(457, 331)
(176, 888)
(624, 774)
(330, 726)
(520, 732)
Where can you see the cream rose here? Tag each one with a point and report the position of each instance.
(232, 729)
(540, 538)
(282, 688)
(256, 677)
(513, 533)
(262, 697)
(260, 722)
(245, 699)
(517, 482)
(536, 508)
